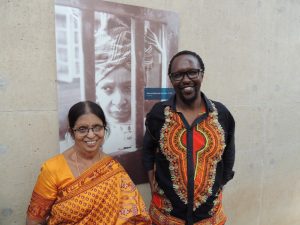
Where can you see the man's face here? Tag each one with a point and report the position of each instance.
(114, 95)
(186, 89)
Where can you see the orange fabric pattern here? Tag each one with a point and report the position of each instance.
(208, 148)
(39, 207)
(103, 194)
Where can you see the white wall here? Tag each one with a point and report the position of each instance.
(251, 50)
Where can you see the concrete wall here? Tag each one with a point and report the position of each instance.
(251, 50)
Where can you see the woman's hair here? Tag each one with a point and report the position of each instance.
(82, 108)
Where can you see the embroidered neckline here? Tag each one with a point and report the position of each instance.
(206, 160)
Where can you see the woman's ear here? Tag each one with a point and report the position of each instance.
(71, 131)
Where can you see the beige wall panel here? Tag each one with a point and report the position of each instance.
(281, 185)
(144, 190)
(27, 139)
(242, 195)
(27, 59)
(281, 177)
(250, 134)
(282, 124)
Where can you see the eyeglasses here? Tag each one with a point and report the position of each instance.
(192, 74)
(83, 131)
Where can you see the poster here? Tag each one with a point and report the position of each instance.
(116, 55)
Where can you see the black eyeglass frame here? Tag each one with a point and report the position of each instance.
(83, 131)
(188, 73)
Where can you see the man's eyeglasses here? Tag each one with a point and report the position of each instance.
(83, 131)
(192, 74)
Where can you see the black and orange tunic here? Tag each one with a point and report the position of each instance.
(191, 162)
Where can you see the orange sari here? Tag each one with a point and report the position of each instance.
(103, 194)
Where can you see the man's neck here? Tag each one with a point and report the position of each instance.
(190, 111)
(189, 106)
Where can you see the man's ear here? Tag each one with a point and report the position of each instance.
(170, 80)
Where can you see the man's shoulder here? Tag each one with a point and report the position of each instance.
(223, 111)
(219, 106)
(157, 111)
(159, 107)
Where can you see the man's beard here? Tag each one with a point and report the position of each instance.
(190, 100)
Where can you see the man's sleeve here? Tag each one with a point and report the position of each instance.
(150, 143)
(229, 151)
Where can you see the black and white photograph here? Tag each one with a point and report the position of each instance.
(112, 54)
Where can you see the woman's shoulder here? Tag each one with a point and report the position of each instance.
(114, 164)
(54, 163)
(56, 168)
(55, 159)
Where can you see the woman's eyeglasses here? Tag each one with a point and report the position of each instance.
(83, 131)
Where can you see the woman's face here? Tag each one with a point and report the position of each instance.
(93, 139)
(114, 95)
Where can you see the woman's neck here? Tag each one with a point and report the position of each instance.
(90, 156)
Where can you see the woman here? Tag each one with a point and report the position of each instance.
(113, 79)
(114, 94)
(83, 185)
(113, 66)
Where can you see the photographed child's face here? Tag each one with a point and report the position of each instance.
(114, 95)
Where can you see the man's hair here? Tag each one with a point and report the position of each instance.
(186, 52)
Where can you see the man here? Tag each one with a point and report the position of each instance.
(188, 149)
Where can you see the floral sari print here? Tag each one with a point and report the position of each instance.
(103, 194)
